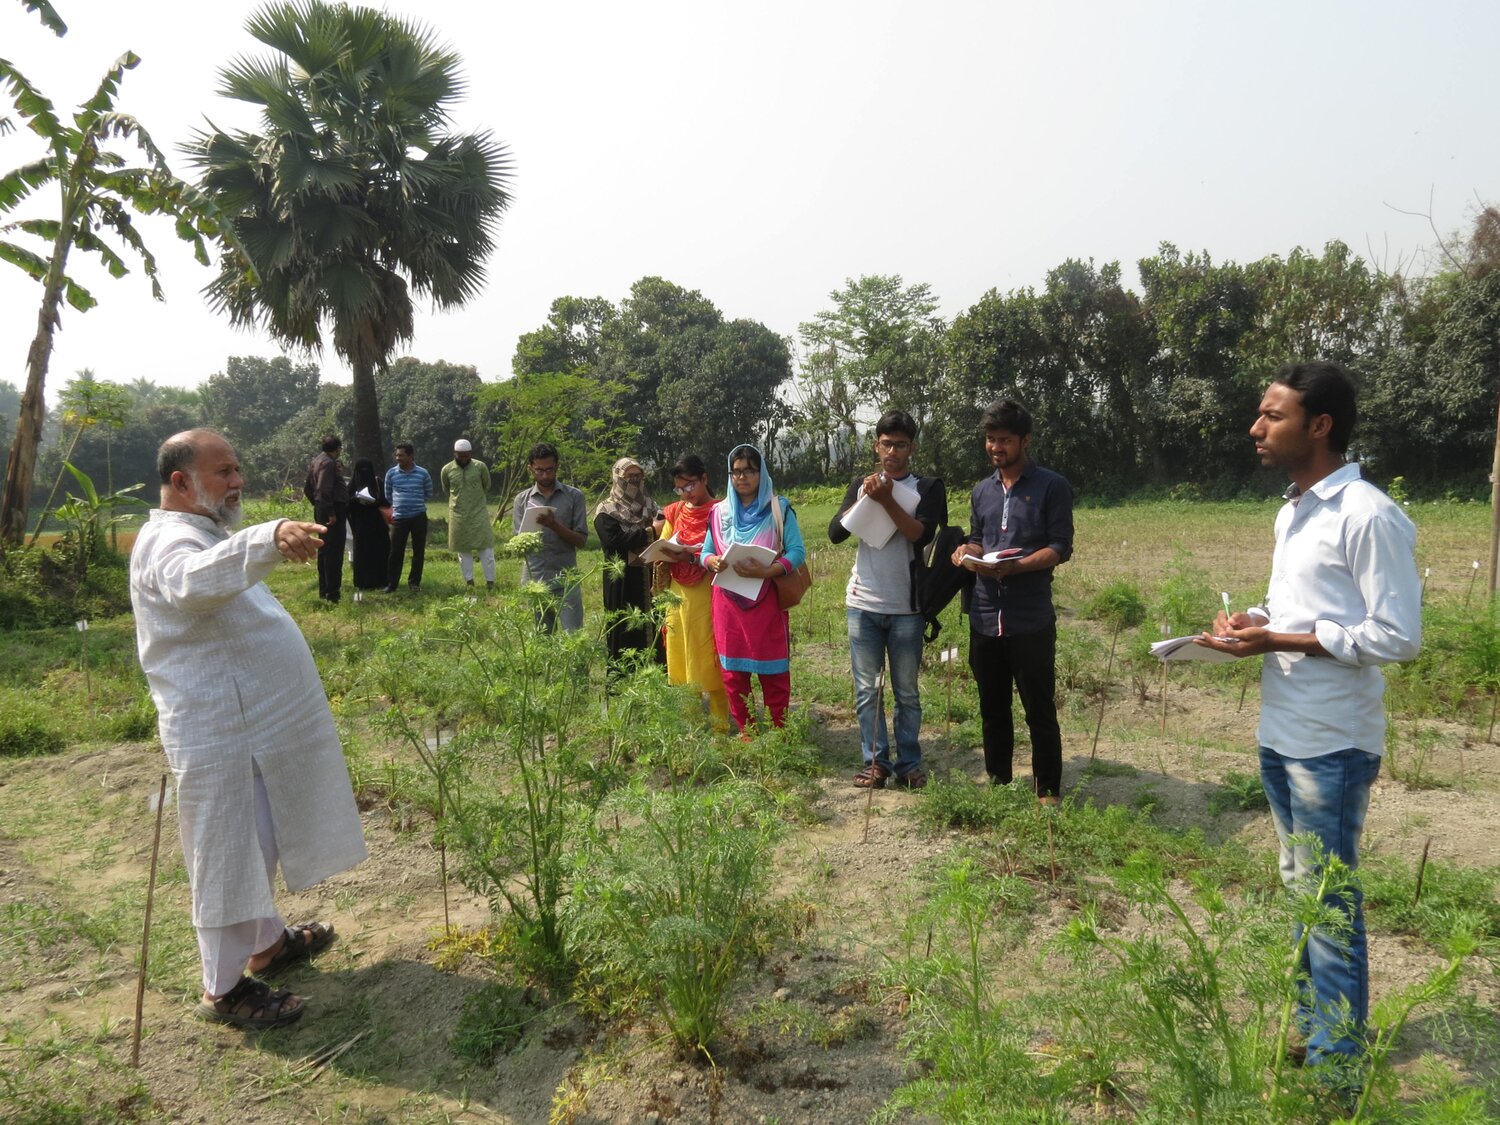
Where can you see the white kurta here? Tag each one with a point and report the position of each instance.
(235, 686)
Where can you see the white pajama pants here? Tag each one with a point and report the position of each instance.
(486, 563)
(224, 950)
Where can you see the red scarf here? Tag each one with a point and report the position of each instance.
(690, 528)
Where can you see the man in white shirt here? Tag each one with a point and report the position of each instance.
(245, 724)
(1344, 598)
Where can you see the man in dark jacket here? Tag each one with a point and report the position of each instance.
(885, 618)
(329, 493)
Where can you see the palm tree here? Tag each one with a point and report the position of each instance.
(353, 195)
(97, 192)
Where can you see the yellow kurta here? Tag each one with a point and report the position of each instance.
(691, 658)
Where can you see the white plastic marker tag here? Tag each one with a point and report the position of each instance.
(82, 624)
(359, 595)
(948, 655)
(171, 796)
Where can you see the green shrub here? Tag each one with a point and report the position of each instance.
(27, 729)
(131, 722)
(672, 902)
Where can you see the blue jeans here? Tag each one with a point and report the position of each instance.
(873, 636)
(1326, 797)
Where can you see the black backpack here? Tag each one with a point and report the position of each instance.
(938, 580)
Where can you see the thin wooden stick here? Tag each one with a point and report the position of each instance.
(1164, 698)
(442, 787)
(1051, 852)
(1104, 691)
(140, 982)
(869, 810)
(1421, 872)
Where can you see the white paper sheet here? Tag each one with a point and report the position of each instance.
(529, 518)
(868, 521)
(654, 552)
(734, 583)
(971, 561)
(1183, 648)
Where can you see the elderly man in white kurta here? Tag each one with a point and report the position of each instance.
(245, 725)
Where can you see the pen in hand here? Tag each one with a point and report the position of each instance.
(1224, 594)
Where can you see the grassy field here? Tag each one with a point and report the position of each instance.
(896, 949)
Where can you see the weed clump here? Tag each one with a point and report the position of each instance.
(27, 730)
(491, 1024)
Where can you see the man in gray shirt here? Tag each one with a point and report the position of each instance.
(563, 531)
(885, 621)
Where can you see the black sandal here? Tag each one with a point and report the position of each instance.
(296, 948)
(872, 776)
(251, 1005)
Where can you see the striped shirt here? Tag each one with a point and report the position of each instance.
(408, 492)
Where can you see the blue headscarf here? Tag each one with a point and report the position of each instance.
(752, 523)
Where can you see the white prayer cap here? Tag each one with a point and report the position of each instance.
(462, 446)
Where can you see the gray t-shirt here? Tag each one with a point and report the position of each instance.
(881, 579)
(556, 554)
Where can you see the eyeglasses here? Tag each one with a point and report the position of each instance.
(894, 446)
(633, 480)
(744, 472)
(684, 489)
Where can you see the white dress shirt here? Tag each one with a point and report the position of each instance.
(1344, 569)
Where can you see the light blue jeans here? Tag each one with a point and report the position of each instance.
(873, 637)
(1326, 797)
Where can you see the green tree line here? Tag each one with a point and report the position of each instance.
(1134, 391)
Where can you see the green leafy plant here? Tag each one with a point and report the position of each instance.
(517, 780)
(978, 1057)
(673, 903)
(1241, 791)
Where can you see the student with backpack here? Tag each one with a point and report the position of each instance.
(882, 604)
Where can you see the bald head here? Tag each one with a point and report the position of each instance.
(200, 473)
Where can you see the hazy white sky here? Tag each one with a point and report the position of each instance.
(763, 153)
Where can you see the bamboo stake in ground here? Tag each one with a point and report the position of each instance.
(1163, 698)
(1421, 872)
(1109, 666)
(442, 839)
(140, 982)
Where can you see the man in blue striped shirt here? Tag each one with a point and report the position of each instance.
(409, 487)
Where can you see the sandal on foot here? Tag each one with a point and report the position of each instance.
(251, 1005)
(299, 943)
(916, 779)
(872, 776)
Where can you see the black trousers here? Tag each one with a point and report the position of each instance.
(331, 557)
(416, 528)
(1028, 662)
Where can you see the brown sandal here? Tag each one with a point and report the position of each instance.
(872, 776)
(299, 943)
(916, 779)
(252, 1005)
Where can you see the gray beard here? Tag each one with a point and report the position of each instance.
(226, 515)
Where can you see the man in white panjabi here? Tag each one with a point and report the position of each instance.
(245, 725)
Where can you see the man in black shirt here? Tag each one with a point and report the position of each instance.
(329, 493)
(1012, 626)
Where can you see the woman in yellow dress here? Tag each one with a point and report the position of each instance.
(691, 658)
